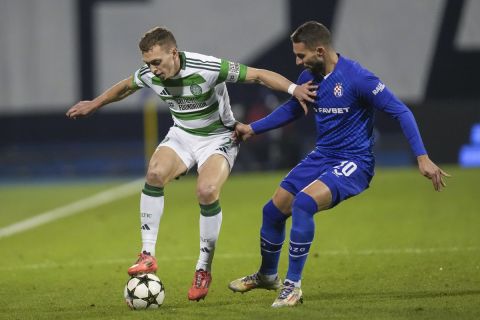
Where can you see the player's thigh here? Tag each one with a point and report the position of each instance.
(211, 147)
(282, 199)
(213, 173)
(303, 174)
(215, 156)
(344, 179)
(165, 165)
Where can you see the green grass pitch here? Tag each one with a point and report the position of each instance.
(397, 251)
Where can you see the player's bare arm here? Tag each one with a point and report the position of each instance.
(431, 171)
(304, 93)
(118, 92)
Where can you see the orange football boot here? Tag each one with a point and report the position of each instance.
(145, 264)
(201, 282)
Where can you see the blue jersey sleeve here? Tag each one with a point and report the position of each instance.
(284, 114)
(372, 90)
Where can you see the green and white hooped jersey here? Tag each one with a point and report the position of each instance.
(197, 96)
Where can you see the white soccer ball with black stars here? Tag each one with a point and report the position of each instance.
(144, 291)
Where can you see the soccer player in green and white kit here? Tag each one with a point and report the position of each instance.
(193, 86)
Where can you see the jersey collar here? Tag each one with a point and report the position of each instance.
(338, 66)
(183, 60)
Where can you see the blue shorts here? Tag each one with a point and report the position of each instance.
(344, 177)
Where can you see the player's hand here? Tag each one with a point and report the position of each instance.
(82, 109)
(305, 93)
(242, 132)
(432, 171)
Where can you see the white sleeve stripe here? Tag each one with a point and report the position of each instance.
(198, 61)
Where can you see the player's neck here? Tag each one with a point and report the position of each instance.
(331, 61)
(177, 64)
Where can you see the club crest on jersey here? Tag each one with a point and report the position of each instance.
(196, 89)
(338, 90)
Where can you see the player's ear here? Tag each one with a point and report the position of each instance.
(320, 51)
(174, 51)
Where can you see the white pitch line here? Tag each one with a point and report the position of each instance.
(367, 252)
(83, 263)
(94, 201)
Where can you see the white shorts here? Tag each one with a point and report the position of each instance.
(193, 149)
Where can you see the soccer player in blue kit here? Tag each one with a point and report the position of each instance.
(342, 163)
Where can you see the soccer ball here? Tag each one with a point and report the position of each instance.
(144, 291)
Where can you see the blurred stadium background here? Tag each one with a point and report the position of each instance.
(54, 53)
(395, 252)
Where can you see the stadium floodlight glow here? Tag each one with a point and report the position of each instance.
(475, 134)
(469, 155)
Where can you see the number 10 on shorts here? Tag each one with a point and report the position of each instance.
(345, 168)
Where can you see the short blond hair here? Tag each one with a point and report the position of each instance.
(157, 36)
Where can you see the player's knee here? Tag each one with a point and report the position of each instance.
(267, 208)
(206, 193)
(157, 177)
(305, 203)
(272, 212)
(283, 204)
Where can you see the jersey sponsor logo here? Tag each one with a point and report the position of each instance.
(331, 110)
(181, 104)
(195, 89)
(379, 88)
(338, 90)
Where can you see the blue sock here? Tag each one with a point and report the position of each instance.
(272, 235)
(301, 235)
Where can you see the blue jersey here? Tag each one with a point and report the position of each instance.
(344, 111)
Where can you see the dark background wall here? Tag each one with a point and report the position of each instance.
(46, 144)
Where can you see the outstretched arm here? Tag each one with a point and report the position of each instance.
(281, 116)
(399, 111)
(376, 93)
(304, 93)
(118, 92)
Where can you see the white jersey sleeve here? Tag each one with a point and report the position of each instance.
(137, 77)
